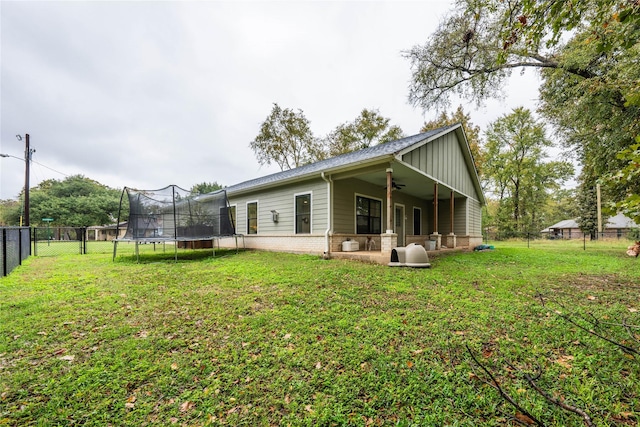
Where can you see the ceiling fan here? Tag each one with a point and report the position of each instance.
(395, 185)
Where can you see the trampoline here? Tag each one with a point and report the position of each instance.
(173, 215)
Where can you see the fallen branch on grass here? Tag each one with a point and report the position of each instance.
(625, 348)
(595, 322)
(496, 385)
(532, 382)
(526, 418)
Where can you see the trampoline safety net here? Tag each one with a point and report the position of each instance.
(175, 214)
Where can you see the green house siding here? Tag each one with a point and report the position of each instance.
(461, 224)
(282, 200)
(475, 218)
(444, 160)
(344, 197)
(344, 200)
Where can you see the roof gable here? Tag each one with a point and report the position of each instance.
(447, 158)
(344, 161)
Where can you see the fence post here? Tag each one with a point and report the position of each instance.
(35, 241)
(20, 230)
(584, 241)
(4, 251)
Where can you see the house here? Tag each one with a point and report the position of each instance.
(621, 225)
(419, 189)
(616, 226)
(565, 229)
(105, 232)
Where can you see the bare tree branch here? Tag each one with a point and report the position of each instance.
(496, 385)
(629, 350)
(563, 405)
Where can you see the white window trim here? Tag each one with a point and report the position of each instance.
(415, 208)
(404, 218)
(246, 212)
(295, 213)
(355, 210)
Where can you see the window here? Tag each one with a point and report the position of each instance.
(417, 221)
(252, 218)
(303, 213)
(368, 215)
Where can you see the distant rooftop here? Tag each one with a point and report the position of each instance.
(614, 222)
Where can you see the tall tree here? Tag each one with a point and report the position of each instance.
(587, 202)
(516, 172)
(589, 91)
(205, 187)
(76, 201)
(597, 122)
(369, 128)
(472, 131)
(628, 178)
(285, 138)
(562, 204)
(10, 211)
(476, 48)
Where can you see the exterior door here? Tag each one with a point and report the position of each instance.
(399, 223)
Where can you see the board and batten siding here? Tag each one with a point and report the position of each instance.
(444, 160)
(282, 199)
(474, 215)
(460, 219)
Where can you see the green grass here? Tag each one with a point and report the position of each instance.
(279, 339)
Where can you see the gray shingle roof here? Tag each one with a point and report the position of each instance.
(618, 221)
(566, 223)
(355, 157)
(621, 221)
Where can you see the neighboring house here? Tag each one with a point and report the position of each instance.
(435, 196)
(621, 225)
(616, 226)
(565, 229)
(105, 232)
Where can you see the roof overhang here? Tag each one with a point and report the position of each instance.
(373, 170)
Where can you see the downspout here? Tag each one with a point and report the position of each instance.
(327, 246)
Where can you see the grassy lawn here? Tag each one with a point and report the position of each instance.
(278, 339)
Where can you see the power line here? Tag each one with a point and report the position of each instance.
(38, 163)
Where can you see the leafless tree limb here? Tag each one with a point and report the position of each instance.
(625, 348)
(532, 382)
(629, 328)
(496, 385)
(596, 323)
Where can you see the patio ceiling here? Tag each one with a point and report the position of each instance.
(415, 183)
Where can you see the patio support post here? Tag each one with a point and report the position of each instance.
(435, 208)
(451, 216)
(435, 236)
(450, 240)
(389, 201)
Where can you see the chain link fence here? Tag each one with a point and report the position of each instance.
(15, 247)
(54, 241)
(585, 240)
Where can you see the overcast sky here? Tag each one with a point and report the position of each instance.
(145, 94)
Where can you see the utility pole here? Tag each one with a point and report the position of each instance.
(28, 151)
(27, 159)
